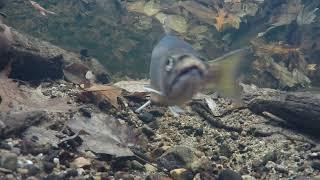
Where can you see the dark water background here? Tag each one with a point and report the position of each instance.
(121, 36)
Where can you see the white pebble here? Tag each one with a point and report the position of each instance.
(29, 162)
(80, 171)
(56, 160)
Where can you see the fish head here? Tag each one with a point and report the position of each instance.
(182, 76)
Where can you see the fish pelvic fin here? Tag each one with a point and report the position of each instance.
(226, 72)
(176, 111)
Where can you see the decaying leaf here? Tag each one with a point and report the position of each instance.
(104, 134)
(286, 13)
(42, 136)
(109, 92)
(76, 73)
(263, 48)
(16, 122)
(293, 10)
(136, 89)
(286, 78)
(133, 86)
(212, 105)
(199, 10)
(224, 18)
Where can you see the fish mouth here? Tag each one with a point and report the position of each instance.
(188, 71)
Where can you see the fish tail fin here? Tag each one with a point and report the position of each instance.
(225, 72)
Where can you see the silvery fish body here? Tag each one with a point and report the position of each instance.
(177, 71)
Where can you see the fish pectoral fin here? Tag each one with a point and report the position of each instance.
(149, 89)
(176, 110)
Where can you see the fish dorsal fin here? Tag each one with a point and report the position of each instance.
(225, 72)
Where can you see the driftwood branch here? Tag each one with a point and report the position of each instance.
(300, 109)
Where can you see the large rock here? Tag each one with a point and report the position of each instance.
(180, 157)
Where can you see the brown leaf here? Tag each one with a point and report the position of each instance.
(104, 134)
(76, 73)
(263, 48)
(286, 13)
(223, 18)
(110, 93)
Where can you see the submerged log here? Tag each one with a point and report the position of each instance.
(33, 59)
(300, 109)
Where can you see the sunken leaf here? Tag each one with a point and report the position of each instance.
(224, 18)
(104, 134)
(110, 93)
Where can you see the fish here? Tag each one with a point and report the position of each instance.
(39, 8)
(178, 72)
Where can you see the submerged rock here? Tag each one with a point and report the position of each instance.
(8, 160)
(179, 157)
(229, 175)
(181, 174)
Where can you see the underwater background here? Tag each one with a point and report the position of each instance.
(121, 34)
(74, 102)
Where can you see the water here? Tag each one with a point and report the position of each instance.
(274, 136)
(121, 34)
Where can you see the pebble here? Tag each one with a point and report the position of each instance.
(56, 161)
(270, 156)
(149, 168)
(228, 174)
(181, 174)
(147, 130)
(4, 145)
(22, 170)
(198, 132)
(80, 162)
(136, 165)
(146, 117)
(33, 170)
(10, 177)
(157, 112)
(157, 177)
(270, 165)
(247, 177)
(281, 168)
(197, 177)
(8, 160)
(179, 157)
(48, 167)
(32, 178)
(316, 149)
(71, 173)
(85, 112)
(315, 165)
(80, 171)
(314, 155)
(225, 150)
(53, 177)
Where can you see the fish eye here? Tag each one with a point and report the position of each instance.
(169, 63)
